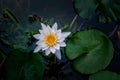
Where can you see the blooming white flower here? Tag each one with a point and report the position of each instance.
(50, 39)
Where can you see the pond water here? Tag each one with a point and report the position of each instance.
(60, 11)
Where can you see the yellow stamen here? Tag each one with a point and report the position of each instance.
(51, 39)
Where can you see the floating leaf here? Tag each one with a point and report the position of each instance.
(34, 68)
(21, 65)
(90, 51)
(105, 75)
(110, 9)
(85, 8)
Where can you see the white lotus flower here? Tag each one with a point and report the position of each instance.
(50, 39)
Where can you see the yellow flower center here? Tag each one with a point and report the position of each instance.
(51, 39)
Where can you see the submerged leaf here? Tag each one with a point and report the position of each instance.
(110, 10)
(11, 16)
(90, 51)
(13, 35)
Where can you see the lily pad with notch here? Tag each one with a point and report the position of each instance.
(90, 51)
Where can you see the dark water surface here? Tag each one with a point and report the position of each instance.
(62, 12)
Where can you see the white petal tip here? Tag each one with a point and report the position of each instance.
(66, 34)
(37, 36)
(62, 44)
(55, 26)
(35, 51)
(58, 54)
(47, 52)
(38, 48)
(43, 26)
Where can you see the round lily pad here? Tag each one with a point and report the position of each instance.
(105, 75)
(85, 8)
(90, 51)
(22, 65)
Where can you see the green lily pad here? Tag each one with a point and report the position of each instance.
(105, 75)
(109, 9)
(90, 51)
(21, 65)
(85, 8)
